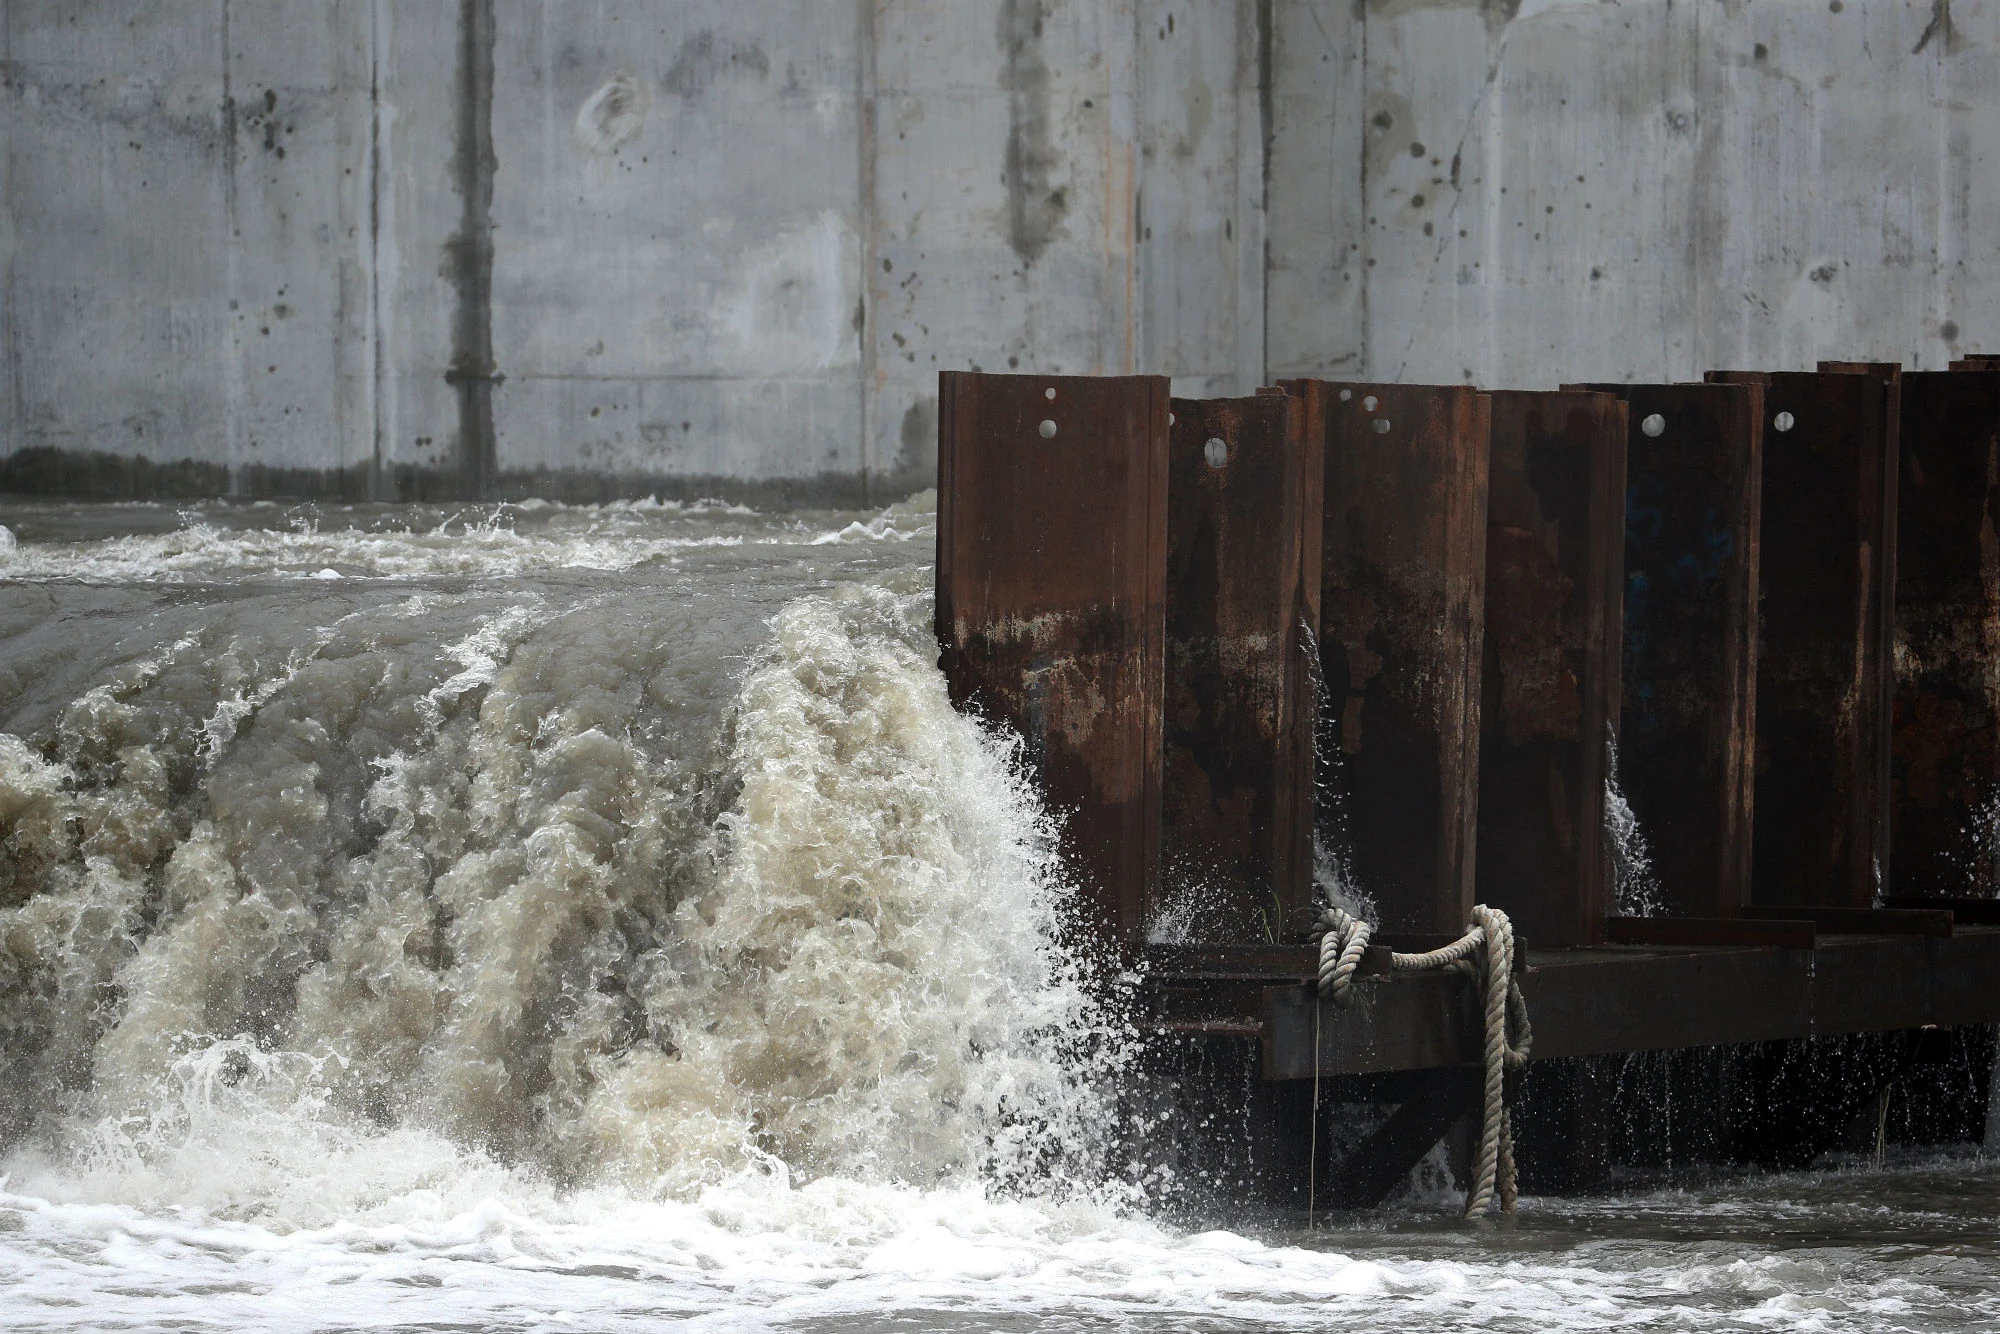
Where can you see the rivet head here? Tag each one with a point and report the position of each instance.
(1654, 425)
(1048, 429)
(1216, 451)
(1381, 425)
(1784, 421)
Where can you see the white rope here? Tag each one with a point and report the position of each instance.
(1343, 940)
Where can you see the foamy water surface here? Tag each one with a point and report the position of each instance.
(548, 917)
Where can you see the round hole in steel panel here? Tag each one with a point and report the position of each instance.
(1784, 421)
(1050, 392)
(1171, 419)
(1216, 451)
(1346, 394)
(1654, 425)
(1381, 425)
(1048, 429)
(1369, 403)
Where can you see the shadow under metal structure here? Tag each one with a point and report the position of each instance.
(1387, 645)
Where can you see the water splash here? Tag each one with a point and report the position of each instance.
(1636, 889)
(475, 884)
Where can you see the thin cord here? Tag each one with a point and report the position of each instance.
(1312, 1137)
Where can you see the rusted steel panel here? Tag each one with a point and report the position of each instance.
(1243, 539)
(1687, 721)
(1051, 603)
(1976, 364)
(1945, 751)
(1555, 564)
(1825, 680)
(1403, 587)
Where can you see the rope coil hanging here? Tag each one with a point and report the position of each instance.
(1486, 951)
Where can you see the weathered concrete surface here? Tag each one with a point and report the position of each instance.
(1527, 191)
(398, 247)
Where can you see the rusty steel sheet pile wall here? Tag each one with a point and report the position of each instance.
(1687, 723)
(1555, 564)
(1243, 543)
(1403, 587)
(1051, 602)
(1945, 761)
(1825, 576)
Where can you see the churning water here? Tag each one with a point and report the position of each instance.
(597, 918)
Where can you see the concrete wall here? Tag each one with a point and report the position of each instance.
(400, 248)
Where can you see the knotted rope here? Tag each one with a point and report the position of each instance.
(1343, 939)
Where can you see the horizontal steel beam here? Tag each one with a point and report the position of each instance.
(1596, 1001)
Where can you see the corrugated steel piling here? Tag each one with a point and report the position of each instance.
(1824, 676)
(1555, 563)
(1243, 540)
(1492, 588)
(1687, 724)
(1403, 586)
(1051, 602)
(1945, 756)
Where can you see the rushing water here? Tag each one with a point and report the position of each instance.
(596, 918)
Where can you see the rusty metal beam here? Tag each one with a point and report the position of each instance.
(1590, 1002)
(1402, 602)
(1945, 750)
(1976, 364)
(1863, 921)
(1243, 538)
(1886, 369)
(1825, 681)
(1977, 912)
(1555, 562)
(1051, 602)
(1789, 933)
(1687, 725)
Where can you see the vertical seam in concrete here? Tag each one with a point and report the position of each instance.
(12, 427)
(1947, 186)
(378, 485)
(1698, 337)
(1365, 368)
(470, 252)
(1266, 94)
(865, 89)
(232, 373)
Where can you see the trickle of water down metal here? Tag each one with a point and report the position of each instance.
(555, 917)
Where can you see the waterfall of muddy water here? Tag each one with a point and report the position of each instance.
(590, 918)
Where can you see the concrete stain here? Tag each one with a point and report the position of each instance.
(1035, 208)
(705, 58)
(469, 253)
(613, 116)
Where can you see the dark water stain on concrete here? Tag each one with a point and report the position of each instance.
(43, 470)
(1034, 210)
(469, 252)
(704, 57)
(916, 461)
